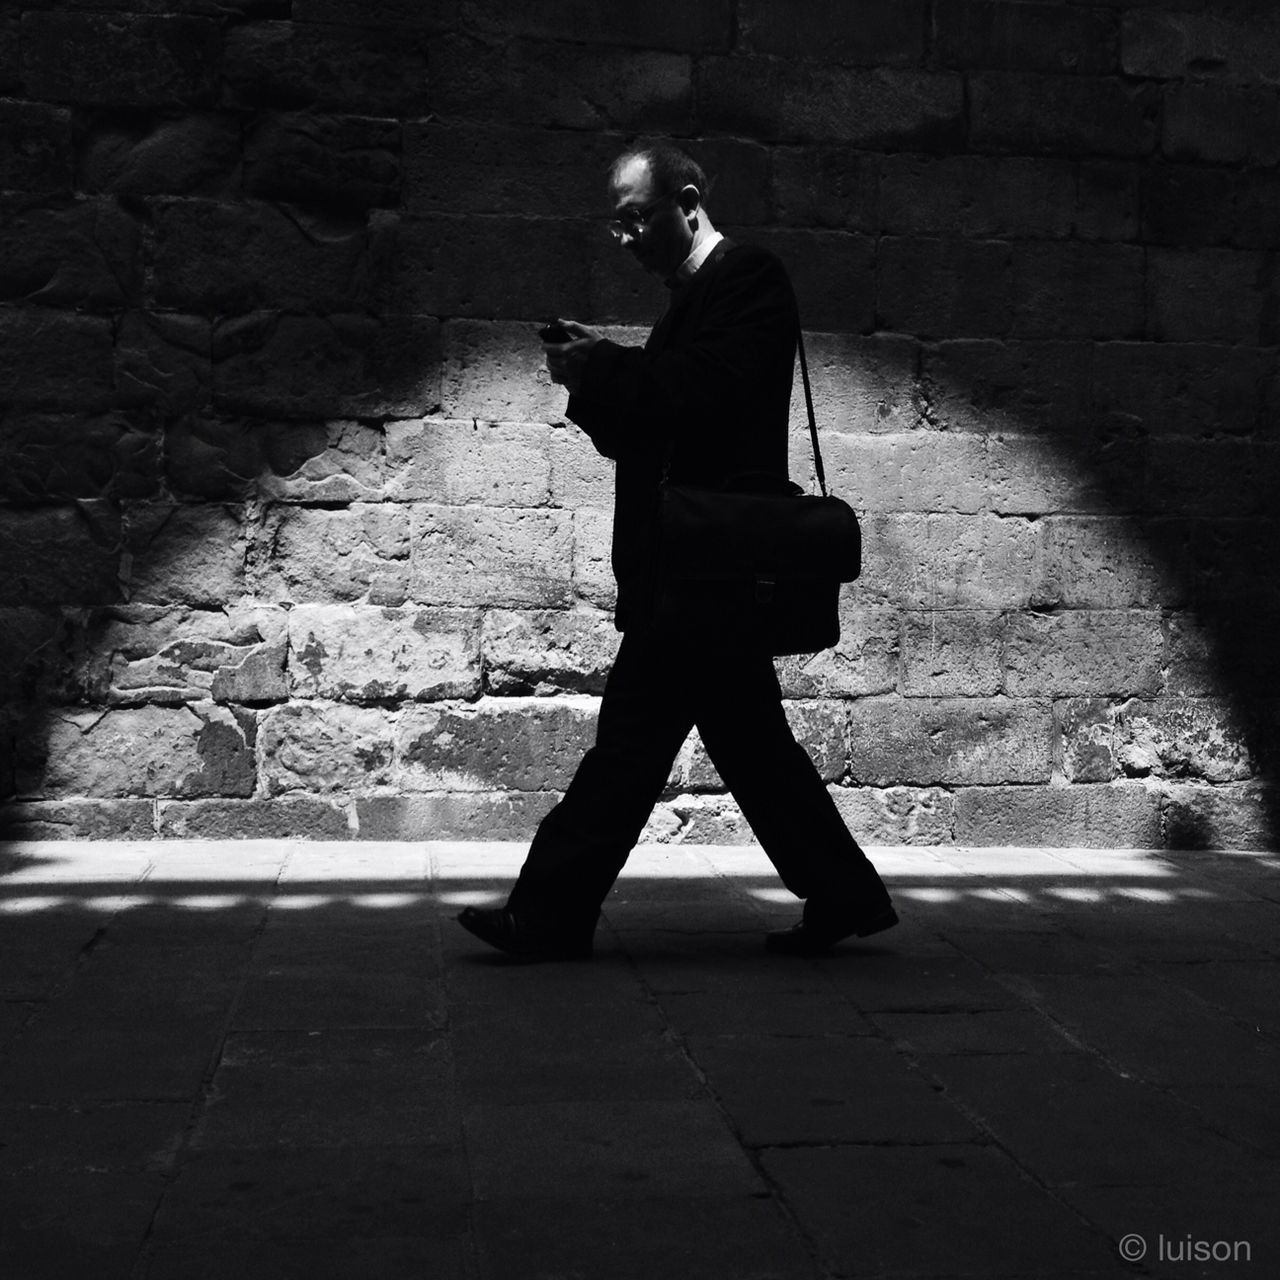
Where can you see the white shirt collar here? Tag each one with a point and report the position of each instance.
(688, 268)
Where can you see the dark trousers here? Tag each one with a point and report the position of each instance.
(666, 680)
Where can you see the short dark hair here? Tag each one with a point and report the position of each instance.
(671, 168)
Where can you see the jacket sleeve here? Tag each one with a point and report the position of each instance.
(748, 312)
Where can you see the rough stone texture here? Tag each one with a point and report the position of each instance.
(357, 653)
(499, 743)
(279, 451)
(547, 651)
(1093, 816)
(151, 654)
(198, 749)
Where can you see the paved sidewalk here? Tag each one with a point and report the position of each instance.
(270, 1060)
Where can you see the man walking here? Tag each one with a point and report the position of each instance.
(706, 398)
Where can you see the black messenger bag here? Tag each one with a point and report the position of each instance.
(759, 556)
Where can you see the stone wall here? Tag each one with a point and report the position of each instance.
(296, 538)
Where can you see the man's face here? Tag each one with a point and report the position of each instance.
(656, 227)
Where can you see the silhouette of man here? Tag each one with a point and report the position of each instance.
(705, 398)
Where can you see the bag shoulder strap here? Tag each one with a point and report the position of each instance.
(813, 422)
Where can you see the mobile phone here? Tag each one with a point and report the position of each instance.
(554, 331)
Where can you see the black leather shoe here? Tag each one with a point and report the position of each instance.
(523, 939)
(815, 937)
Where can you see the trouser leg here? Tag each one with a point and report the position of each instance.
(781, 794)
(582, 844)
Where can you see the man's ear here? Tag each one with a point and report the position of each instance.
(690, 199)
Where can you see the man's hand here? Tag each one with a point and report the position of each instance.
(566, 360)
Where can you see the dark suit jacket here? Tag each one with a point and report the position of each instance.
(711, 389)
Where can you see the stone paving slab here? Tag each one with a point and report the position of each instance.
(274, 1059)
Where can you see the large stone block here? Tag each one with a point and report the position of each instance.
(304, 65)
(663, 24)
(1084, 652)
(318, 555)
(547, 651)
(163, 361)
(1256, 196)
(407, 17)
(1078, 290)
(495, 371)
(79, 820)
(878, 108)
(484, 555)
(948, 652)
(1163, 389)
(457, 167)
(335, 366)
(874, 34)
(564, 85)
(35, 147)
(172, 655)
(120, 59)
(1239, 44)
(1210, 295)
(1108, 199)
(60, 556)
(335, 461)
(323, 161)
(943, 288)
(195, 750)
(1105, 562)
(865, 661)
(915, 471)
(46, 457)
(73, 253)
(861, 385)
(223, 258)
(1221, 124)
(1235, 816)
(189, 555)
(1084, 740)
(699, 819)
(581, 477)
(453, 815)
(990, 386)
(357, 653)
(216, 458)
(1125, 816)
(10, 53)
(1183, 738)
(496, 267)
(1063, 115)
(951, 561)
(1189, 205)
(455, 463)
(326, 748)
(1034, 475)
(1222, 477)
(593, 579)
(949, 741)
(34, 644)
(195, 154)
(498, 744)
(1051, 38)
(825, 186)
(279, 818)
(897, 815)
(976, 196)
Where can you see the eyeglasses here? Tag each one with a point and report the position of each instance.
(631, 222)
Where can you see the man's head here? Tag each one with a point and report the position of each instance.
(657, 193)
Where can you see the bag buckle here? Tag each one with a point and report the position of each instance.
(764, 589)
